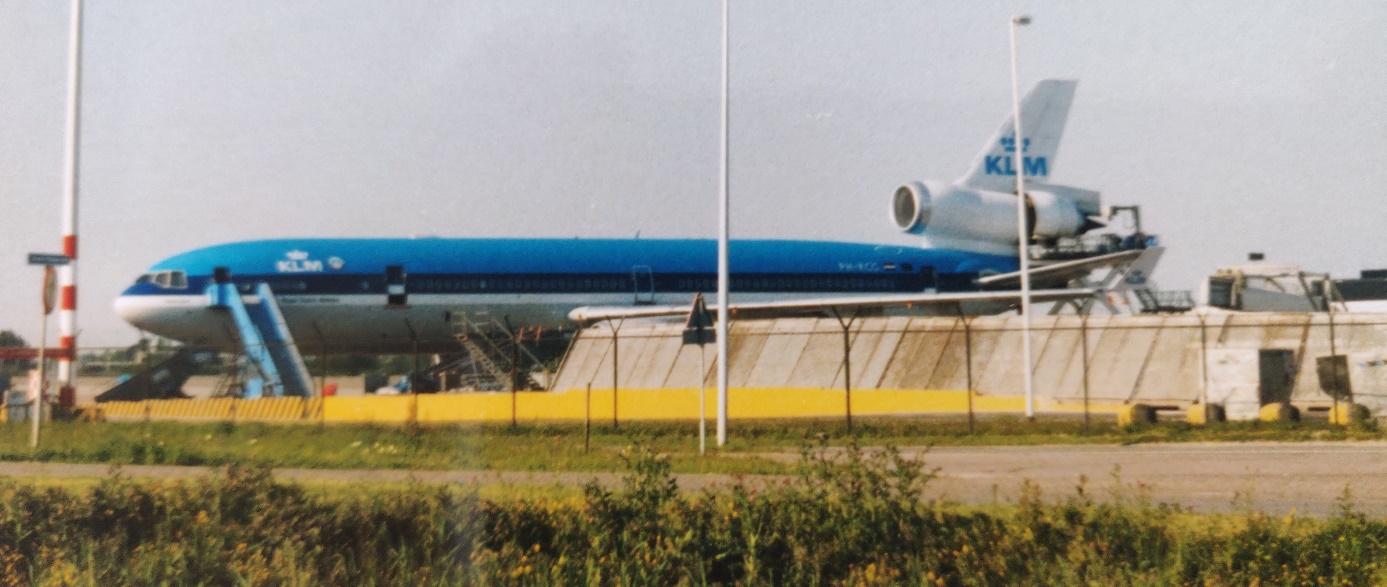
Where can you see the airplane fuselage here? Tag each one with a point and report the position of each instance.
(389, 295)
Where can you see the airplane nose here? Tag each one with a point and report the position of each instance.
(184, 318)
(133, 311)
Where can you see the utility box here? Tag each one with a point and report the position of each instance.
(17, 405)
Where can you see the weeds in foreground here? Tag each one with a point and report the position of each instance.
(846, 517)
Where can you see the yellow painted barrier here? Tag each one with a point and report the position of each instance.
(277, 409)
(1348, 413)
(1278, 412)
(671, 404)
(1201, 415)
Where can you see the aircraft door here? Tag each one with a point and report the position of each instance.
(396, 294)
(644, 280)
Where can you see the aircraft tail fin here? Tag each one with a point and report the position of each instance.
(1044, 112)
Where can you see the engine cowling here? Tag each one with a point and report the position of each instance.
(1054, 215)
(910, 207)
(955, 215)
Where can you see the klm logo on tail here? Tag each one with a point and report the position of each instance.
(1006, 164)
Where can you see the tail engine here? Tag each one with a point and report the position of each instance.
(954, 213)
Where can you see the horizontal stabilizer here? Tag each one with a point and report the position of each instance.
(587, 314)
(1057, 274)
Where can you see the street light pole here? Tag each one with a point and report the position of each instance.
(724, 280)
(1023, 237)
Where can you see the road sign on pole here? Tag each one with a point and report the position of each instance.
(698, 328)
(49, 259)
(50, 289)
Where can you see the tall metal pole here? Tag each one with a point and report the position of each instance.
(67, 274)
(36, 414)
(702, 398)
(724, 316)
(1023, 240)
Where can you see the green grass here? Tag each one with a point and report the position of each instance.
(753, 447)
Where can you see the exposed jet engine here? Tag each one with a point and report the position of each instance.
(952, 213)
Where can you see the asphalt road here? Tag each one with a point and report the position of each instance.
(1308, 477)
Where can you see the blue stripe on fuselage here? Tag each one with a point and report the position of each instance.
(345, 266)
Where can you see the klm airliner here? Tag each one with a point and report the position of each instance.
(388, 295)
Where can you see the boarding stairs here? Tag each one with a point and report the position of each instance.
(265, 341)
(163, 380)
(493, 354)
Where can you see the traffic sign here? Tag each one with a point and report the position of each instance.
(50, 290)
(698, 328)
(49, 259)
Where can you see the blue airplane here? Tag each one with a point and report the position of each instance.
(397, 295)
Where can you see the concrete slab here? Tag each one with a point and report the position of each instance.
(919, 352)
(744, 350)
(886, 332)
(952, 370)
(1053, 359)
(821, 363)
(663, 348)
(775, 365)
(1172, 371)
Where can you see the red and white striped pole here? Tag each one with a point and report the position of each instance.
(67, 275)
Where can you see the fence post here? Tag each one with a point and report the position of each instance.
(847, 362)
(968, 362)
(1204, 362)
(616, 346)
(514, 370)
(1333, 351)
(587, 418)
(1083, 339)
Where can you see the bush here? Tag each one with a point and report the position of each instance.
(848, 516)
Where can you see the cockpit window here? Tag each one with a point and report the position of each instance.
(166, 279)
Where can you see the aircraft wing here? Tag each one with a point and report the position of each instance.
(587, 314)
(1057, 274)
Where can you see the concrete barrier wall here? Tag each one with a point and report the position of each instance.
(1157, 359)
(900, 365)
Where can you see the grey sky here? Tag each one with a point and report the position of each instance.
(1236, 126)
